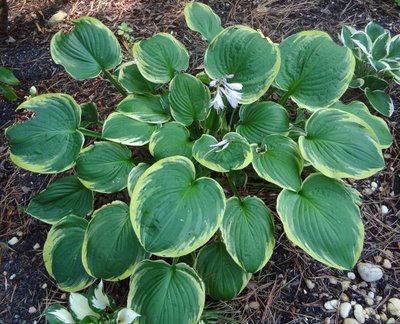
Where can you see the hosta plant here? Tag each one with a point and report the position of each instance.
(176, 141)
(7, 82)
(377, 57)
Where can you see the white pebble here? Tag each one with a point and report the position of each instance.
(353, 303)
(379, 298)
(387, 155)
(369, 272)
(369, 301)
(391, 321)
(32, 310)
(333, 281)
(371, 294)
(351, 275)
(359, 313)
(350, 321)
(331, 304)
(394, 307)
(345, 284)
(374, 184)
(344, 310)
(384, 209)
(19, 233)
(13, 276)
(36, 246)
(254, 304)
(13, 241)
(386, 264)
(44, 286)
(310, 285)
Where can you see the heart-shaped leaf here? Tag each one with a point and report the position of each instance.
(163, 293)
(134, 175)
(133, 81)
(87, 50)
(380, 101)
(330, 230)
(172, 212)
(248, 232)
(49, 142)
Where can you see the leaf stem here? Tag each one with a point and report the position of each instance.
(285, 98)
(233, 187)
(115, 83)
(90, 133)
(231, 119)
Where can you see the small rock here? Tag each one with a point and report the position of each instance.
(383, 316)
(379, 298)
(363, 284)
(32, 310)
(369, 311)
(353, 303)
(384, 209)
(20, 233)
(391, 321)
(44, 286)
(36, 246)
(378, 259)
(388, 253)
(331, 304)
(345, 285)
(369, 301)
(351, 275)
(344, 298)
(13, 241)
(344, 309)
(333, 281)
(394, 307)
(377, 317)
(57, 18)
(386, 264)
(25, 189)
(371, 294)
(374, 184)
(359, 313)
(310, 285)
(369, 272)
(13, 276)
(254, 304)
(10, 40)
(63, 296)
(387, 155)
(350, 321)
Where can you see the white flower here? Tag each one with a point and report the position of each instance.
(224, 144)
(217, 102)
(230, 90)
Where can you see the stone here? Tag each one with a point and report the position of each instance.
(13, 241)
(57, 18)
(371, 294)
(359, 313)
(386, 264)
(36, 246)
(331, 304)
(344, 309)
(32, 310)
(369, 272)
(345, 284)
(378, 259)
(254, 304)
(391, 321)
(383, 316)
(350, 321)
(344, 298)
(351, 275)
(384, 209)
(393, 307)
(333, 281)
(369, 301)
(310, 285)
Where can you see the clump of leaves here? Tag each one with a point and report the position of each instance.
(179, 237)
(7, 82)
(125, 31)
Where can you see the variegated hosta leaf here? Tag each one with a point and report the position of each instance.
(62, 197)
(380, 101)
(341, 145)
(223, 278)
(126, 316)
(79, 306)
(306, 58)
(168, 294)
(189, 99)
(148, 109)
(57, 314)
(160, 57)
(104, 167)
(248, 232)
(123, 129)
(171, 139)
(111, 248)
(134, 175)
(323, 220)
(394, 49)
(278, 160)
(87, 50)
(133, 81)
(345, 36)
(380, 47)
(202, 19)
(375, 83)
(62, 254)
(50, 141)
(232, 153)
(363, 42)
(374, 31)
(261, 119)
(90, 115)
(172, 212)
(252, 59)
(378, 125)
(98, 300)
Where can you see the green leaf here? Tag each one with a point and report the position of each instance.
(345, 36)
(172, 212)
(189, 99)
(248, 232)
(252, 59)
(261, 119)
(380, 46)
(223, 278)
(394, 48)
(49, 142)
(111, 249)
(62, 254)
(80, 309)
(380, 101)
(378, 125)
(8, 77)
(160, 57)
(98, 300)
(133, 81)
(375, 83)
(148, 109)
(8, 92)
(171, 139)
(279, 161)
(341, 145)
(323, 220)
(62, 197)
(57, 314)
(232, 153)
(123, 129)
(202, 19)
(87, 50)
(306, 58)
(104, 167)
(363, 41)
(134, 175)
(90, 115)
(374, 31)
(167, 294)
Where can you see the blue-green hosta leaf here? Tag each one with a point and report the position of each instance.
(104, 167)
(323, 220)
(172, 212)
(49, 142)
(168, 294)
(252, 59)
(8, 77)
(160, 57)
(134, 175)
(62, 197)
(223, 278)
(306, 58)
(202, 19)
(279, 161)
(98, 300)
(341, 145)
(378, 125)
(133, 81)
(79, 306)
(90, 115)
(111, 249)
(261, 119)
(356, 83)
(123, 129)
(126, 316)
(189, 99)
(345, 36)
(232, 153)
(62, 254)
(248, 232)
(148, 109)
(375, 83)
(87, 50)
(171, 139)
(394, 49)
(380, 101)
(380, 46)
(374, 31)
(57, 314)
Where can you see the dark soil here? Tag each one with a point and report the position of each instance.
(278, 293)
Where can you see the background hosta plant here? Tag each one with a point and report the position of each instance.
(177, 235)
(7, 82)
